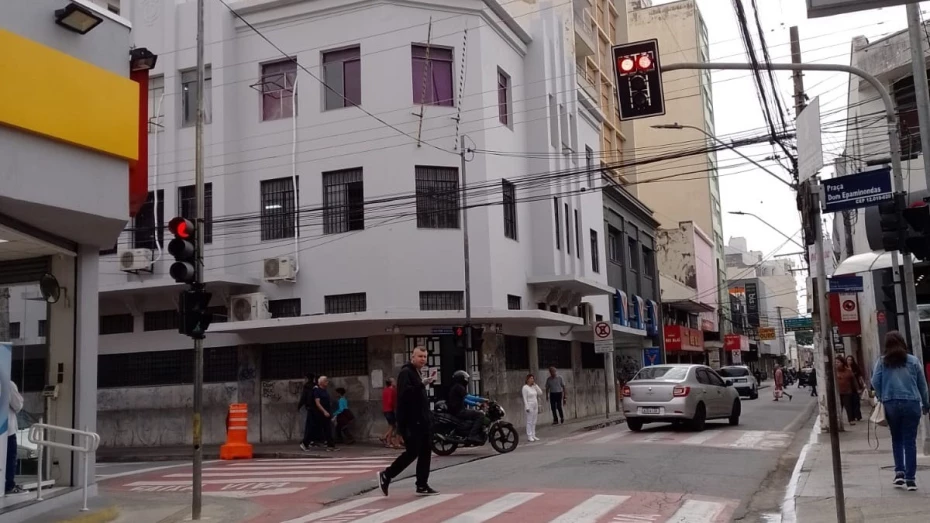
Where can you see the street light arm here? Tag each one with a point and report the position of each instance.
(770, 226)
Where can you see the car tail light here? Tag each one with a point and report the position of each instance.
(679, 392)
(626, 391)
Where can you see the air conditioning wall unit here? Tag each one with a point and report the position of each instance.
(134, 259)
(248, 307)
(280, 268)
(586, 311)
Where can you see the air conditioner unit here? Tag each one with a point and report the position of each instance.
(586, 311)
(247, 307)
(134, 259)
(280, 268)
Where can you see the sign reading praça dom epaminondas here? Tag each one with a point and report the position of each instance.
(863, 189)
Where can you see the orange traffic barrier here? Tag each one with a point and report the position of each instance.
(237, 430)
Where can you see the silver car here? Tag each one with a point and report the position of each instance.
(689, 394)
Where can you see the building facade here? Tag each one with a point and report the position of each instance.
(64, 194)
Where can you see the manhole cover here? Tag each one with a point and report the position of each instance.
(919, 467)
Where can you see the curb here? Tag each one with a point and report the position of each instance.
(602, 424)
(101, 516)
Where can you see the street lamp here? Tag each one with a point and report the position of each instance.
(77, 18)
(678, 126)
(741, 213)
(141, 59)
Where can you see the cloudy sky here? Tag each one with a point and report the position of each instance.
(737, 109)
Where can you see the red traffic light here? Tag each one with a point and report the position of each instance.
(626, 64)
(644, 62)
(181, 227)
(459, 332)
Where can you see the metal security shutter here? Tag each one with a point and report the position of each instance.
(23, 271)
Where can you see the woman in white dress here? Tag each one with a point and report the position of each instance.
(531, 395)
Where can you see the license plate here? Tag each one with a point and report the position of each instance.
(651, 410)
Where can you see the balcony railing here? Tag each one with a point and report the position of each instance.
(586, 83)
(585, 38)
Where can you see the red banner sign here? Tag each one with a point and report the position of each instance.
(736, 342)
(684, 339)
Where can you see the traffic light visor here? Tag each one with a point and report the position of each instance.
(181, 227)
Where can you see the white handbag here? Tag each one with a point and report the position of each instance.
(878, 415)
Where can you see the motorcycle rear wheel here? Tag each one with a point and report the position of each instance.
(504, 437)
(442, 447)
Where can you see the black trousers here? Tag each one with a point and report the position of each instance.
(555, 403)
(310, 429)
(416, 448)
(474, 419)
(324, 429)
(852, 405)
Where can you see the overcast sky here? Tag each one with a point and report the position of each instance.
(737, 109)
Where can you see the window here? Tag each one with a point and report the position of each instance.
(503, 97)
(595, 262)
(346, 303)
(189, 97)
(553, 122)
(589, 358)
(733, 372)
(335, 358)
(514, 303)
(160, 320)
(442, 300)
(168, 367)
(589, 164)
(278, 97)
(437, 197)
(287, 308)
(649, 262)
(187, 207)
(432, 75)
(43, 328)
(116, 324)
(634, 254)
(558, 224)
(29, 375)
(343, 201)
(577, 235)
(156, 103)
(614, 245)
(510, 209)
(554, 353)
(144, 224)
(568, 230)
(277, 208)
(14, 330)
(342, 72)
(516, 353)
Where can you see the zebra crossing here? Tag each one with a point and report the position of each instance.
(259, 477)
(562, 506)
(712, 437)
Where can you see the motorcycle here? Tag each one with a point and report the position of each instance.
(449, 432)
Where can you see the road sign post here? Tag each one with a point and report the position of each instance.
(604, 344)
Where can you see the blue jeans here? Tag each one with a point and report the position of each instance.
(903, 420)
(9, 482)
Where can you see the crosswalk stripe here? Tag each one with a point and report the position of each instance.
(316, 460)
(573, 438)
(406, 509)
(253, 474)
(226, 481)
(314, 467)
(333, 511)
(494, 508)
(292, 470)
(694, 511)
(592, 509)
(699, 438)
(611, 437)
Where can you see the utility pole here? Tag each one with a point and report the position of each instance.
(197, 475)
(471, 356)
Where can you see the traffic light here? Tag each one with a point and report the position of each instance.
(889, 302)
(891, 220)
(459, 333)
(917, 241)
(183, 270)
(639, 80)
(192, 309)
(477, 338)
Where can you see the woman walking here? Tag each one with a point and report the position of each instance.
(901, 387)
(860, 386)
(531, 395)
(846, 386)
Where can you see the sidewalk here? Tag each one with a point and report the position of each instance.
(867, 476)
(292, 450)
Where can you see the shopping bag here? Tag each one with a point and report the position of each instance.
(878, 415)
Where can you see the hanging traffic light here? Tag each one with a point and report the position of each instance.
(184, 269)
(477, 338)
(193, 306)
(639, 80)
(459, 333)
(891, 220)
(917, 238)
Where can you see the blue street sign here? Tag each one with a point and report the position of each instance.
(863, 189)
(652, 356)
(845, 284)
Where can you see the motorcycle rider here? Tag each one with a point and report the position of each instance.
(460, 400)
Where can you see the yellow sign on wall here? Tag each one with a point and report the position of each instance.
(766, 333)
(53, 94)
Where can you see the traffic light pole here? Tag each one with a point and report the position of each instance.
(197, 474)
(471, 357)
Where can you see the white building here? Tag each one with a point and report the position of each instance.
(374, 264)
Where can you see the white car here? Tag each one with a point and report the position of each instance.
(741, 378)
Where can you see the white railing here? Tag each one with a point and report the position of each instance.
(37, 435)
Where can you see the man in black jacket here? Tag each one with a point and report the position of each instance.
(413, 423)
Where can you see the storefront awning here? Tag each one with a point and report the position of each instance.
(582, 286)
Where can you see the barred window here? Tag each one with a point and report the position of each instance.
(14, 330)
(160, 320)
(516, 353)
(220, 314)
(144, 224)
(514, 303)
(589, 358)
(343, 201)
(334, 358)
(510, 209)
(187, 207)
(29, 375)
(116, 324)
(345, 303)
(437, 190)
(278, 208)
(43, 328)
(442, 300)
(289, 308)
(170, 367)
(554, 353)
